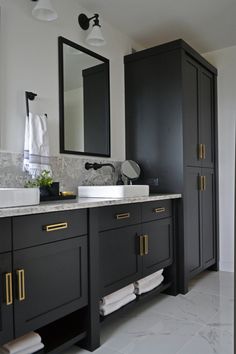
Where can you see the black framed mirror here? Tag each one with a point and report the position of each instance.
(84, 100)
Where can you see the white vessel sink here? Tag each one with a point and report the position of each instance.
(13, 197)
(123, 191)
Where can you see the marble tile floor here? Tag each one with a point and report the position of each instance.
(200, 322)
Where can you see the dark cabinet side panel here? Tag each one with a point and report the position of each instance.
(55, 282)
(208, 219)
(192, 220)
(120, 263)
(5, 235)
(6, 311)
(154, 119)
(160, 245)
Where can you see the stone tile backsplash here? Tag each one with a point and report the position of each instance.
(67, 170)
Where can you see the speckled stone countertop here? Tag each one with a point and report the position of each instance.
(80, 203)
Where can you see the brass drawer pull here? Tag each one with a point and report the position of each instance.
(122, 216)
(203, 151)
(145, 237)
(159, 210)
(200, 151)
(8, 280)
(55, 227)
(141, 246)
(21, 284)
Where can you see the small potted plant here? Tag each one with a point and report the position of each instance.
(47, 187)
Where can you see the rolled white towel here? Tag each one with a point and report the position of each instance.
(153, 276)
(32, 349)
(107, 309)
(144, 288)
(117, 295)
(28, 340)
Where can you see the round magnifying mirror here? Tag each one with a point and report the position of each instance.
(131, 170)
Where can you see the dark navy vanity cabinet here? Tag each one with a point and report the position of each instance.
(56, 266)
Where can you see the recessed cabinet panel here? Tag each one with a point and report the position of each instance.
(156, 210)
(192, 212)
(32, 230)
(6, 298)
(50, 282)
(120, 263)
(207, 117)
(112, 217)
(208, 219)
(159, 247)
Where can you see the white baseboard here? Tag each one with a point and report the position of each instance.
(227, 266)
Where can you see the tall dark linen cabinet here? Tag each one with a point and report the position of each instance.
(171, 131)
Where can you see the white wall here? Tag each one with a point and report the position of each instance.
(29, 61)
(225, 61)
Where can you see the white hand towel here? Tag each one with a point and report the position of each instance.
(32, 349)
(36, 147)
(152, 284)
(107, 309)
(150, 277)
(117, 295)
(28, 340)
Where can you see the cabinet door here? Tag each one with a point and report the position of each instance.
(120, 262)
(159, 245)
(190, 99)
(50, 282)
(206, 116)
(6, 307)
(192, 220)
(208, 219)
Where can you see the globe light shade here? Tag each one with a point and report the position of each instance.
(44, 11)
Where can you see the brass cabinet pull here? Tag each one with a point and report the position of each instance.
(21, 284)
(141, 246)
(55, 227)
(200, 151)
(122, 216)
(159, 210)
(145, 237)
(200, 183)
(8, 280)
(204, 182)
(203, 151)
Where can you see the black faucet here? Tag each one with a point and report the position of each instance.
(96, 166)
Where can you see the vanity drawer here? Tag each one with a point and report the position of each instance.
(156, 210)
(32, 230)
(119, 215)
(5, 235)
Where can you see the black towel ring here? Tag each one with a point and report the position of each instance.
(29, 96)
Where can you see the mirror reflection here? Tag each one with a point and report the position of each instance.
(84, 100)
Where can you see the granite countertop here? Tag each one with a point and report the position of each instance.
(80, 203)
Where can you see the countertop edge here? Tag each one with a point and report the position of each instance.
(81, 203)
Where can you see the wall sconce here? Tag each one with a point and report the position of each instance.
(44, 11)
(95, 37)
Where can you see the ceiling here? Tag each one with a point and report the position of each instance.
(206, 25)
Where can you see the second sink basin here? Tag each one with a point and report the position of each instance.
(13, 197)
(123, 191)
